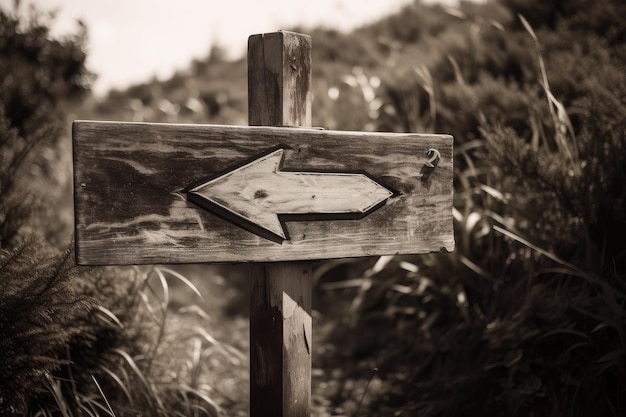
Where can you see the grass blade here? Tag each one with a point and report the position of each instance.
(183, 279)
(103, 396)
(119, 382)
(108, 313)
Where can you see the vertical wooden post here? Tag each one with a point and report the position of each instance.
(279, 94)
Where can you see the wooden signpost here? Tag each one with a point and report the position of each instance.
(162, 193)
(273, 191)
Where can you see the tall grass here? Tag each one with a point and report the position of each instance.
(526, 316)
(165, 372)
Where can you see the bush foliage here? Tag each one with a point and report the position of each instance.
(526, 317)
(38, 75)
(75, 341)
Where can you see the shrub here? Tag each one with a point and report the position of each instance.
(526, 317)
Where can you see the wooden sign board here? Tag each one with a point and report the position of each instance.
(167, 193)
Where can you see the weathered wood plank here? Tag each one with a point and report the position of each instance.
(280, 339)
(279, 79)
(254, 195)
(132, 208)
(131, 202)
(280, 301)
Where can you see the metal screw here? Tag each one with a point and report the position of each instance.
(434, 156)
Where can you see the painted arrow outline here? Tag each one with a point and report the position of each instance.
(260, 197)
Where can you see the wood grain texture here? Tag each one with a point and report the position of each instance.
(279, 79)
(131, 181)
(280, 340)
(280, 301)
(260, 191)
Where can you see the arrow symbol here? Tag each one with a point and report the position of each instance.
(254, 195)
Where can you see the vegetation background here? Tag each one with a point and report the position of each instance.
(525, 318)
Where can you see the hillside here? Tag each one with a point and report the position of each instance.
(522, 85)
(356, 67)
(525, 317)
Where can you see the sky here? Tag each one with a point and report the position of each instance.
(131, 41)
